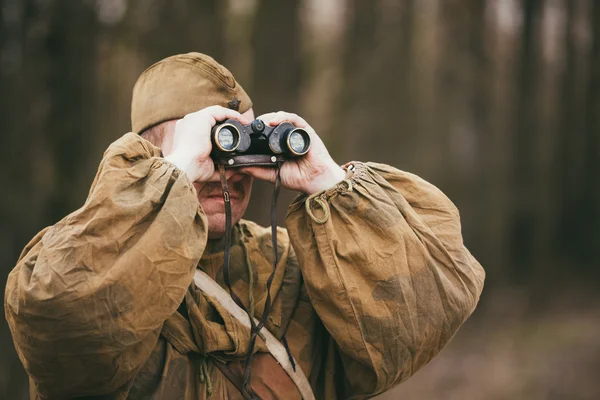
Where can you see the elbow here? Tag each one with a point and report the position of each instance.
(460, 305)
(473, 286)
(66, 350)
(73, 358)
(461, 290)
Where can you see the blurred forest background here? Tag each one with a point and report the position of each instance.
(496, 102)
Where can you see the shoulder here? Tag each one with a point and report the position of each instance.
(131, 146)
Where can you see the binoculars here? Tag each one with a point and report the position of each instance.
(237, 145)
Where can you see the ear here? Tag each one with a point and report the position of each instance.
(167, 132)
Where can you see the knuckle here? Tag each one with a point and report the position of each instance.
(209, 110)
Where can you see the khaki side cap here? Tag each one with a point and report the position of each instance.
(182, 84)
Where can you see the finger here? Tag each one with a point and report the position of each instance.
(247, 118)
(262, 173)
(212, 115)
(266, 118)
(214, 111)
(283, 116)
(221, 113)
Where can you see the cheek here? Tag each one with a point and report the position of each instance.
(215, 214)
(216, 208)
(243, 203)
(167, 145)
(247, 182)
(239, 208)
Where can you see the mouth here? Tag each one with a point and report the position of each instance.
(219, 196)
(213, 191)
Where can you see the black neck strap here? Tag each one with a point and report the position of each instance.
(254, 328)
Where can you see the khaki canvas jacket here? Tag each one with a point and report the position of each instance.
(373, 281)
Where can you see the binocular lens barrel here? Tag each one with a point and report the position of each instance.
(227, 138)
(298, 142)
(257, 138)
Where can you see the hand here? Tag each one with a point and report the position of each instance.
(311, 173)
(192, 145)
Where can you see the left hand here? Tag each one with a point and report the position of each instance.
(311, 173)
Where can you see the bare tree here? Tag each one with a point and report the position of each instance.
(591, 181)
(524, 224)
(276, 79)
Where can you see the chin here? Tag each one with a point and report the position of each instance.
(215, 213)
(216, 224)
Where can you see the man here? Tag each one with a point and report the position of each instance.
(372, 281)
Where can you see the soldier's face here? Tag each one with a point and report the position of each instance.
(210, 195)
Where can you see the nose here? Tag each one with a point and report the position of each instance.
(232, 175)
(235, 176)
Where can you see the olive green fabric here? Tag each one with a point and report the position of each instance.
(103, 304)
(180, 85)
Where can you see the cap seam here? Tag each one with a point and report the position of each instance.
(211, 69)
(187, 60)
(211, 72)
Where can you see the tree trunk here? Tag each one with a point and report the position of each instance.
(49, 114)
(277, 76)
(591, 180)
(524, 227)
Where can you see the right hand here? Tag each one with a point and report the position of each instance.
(192, 143)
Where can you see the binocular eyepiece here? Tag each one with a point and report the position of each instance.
(233, 140)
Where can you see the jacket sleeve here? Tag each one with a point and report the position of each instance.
(386, 271)
(89, 295)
